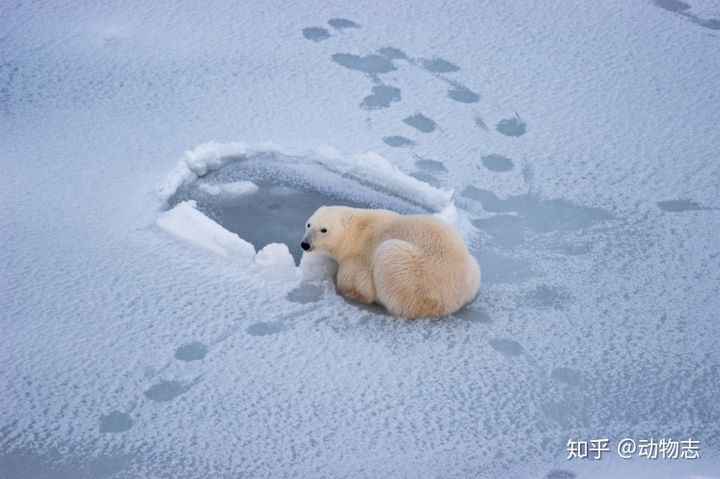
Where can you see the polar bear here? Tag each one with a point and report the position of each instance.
(415, 265)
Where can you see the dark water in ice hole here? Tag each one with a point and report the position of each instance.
(276, 213)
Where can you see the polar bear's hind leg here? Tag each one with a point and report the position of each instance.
(403, 281)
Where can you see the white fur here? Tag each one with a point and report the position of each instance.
(416, 265)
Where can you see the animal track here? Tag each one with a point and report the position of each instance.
(481, 123)
(678, 206)
(167, 390)
(393, 53)
(506, 230)
(305, 293)
(341, 24)
(381, 97)
(315, 34)
(682, 8)
(475, 315)
(426, 178)
(430, 165)
(398, 141)
(439, 65)
(497, 163)
(507, 347)
(370, 64)
(512, 126)
(502, 269)
(265, 328)
(421, 123)
(560, 474)
(463, 94)
(318, 34)
(193, 351)
(535, 214)
(544, 297)
(115, 421)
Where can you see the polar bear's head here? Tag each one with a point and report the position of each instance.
(326, 229)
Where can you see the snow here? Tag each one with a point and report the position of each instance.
(187, 223)
(368, 166)
(155, 324)
(277, 257)
(235, 188)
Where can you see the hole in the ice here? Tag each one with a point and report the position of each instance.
(505, 346)
(265, 328)
(286, 191)
(116, 421)
(193, 351)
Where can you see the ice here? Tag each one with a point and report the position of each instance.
(159, 322)
(276, 256)
(281, 188)
(317, 267)
(235, 188)
(189, 224)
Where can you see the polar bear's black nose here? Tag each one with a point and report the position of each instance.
(305, 245)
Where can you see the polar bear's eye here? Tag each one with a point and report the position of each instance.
(324, 230)
(308, 225)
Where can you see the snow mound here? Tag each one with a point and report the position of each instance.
(365, 168)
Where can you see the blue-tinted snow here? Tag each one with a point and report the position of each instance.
(597, 314)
